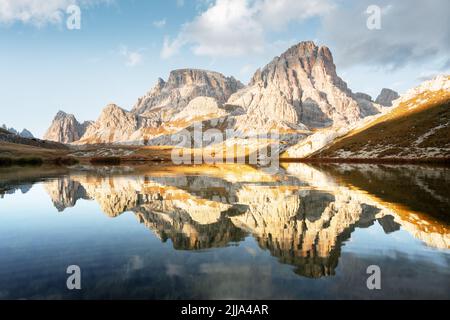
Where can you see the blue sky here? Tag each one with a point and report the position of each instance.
(124, 46)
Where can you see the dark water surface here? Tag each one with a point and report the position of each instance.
(225, 232)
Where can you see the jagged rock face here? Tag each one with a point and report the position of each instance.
(366, 105)
(296, 92)
(65, 128)
(188, 95)
(200, 108)
(117, 125)
(300, 86)
(166, 99)
(363, 96)
(386, 97)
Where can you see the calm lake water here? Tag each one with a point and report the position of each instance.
(230, 232)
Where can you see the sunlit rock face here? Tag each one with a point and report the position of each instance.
(167, 99)
(117, 125)
(187, 97)
(301, 87)
(200, 108)
(66, 129)
(295, 93)
(303, 216)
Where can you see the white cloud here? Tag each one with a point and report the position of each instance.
(38, 12)
(160, 23)
(237, 27)
(132, 58)
(278, 13)
(33, 11)
(171, 47)
(411, 31)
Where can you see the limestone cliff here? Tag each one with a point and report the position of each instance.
(301, 87)
(387, 97)
(166, 99)
(65, 128)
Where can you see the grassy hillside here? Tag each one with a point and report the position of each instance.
(418, 128)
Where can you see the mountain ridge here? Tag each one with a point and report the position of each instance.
(65, 128)
(298, 93)
(24, 133)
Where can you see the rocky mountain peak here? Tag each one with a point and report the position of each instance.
(112, 108)
(112, 114)
(160, 83)
(65, 128)
(26, 134)
(183, 85)
(301, 86)
(61, 114)
(304, 55)
(183, 77)
(117, 125)
(295, 92)
(386, 97)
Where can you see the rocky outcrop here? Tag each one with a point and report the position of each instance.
(301, 87)
(296, 94)
(363, 96)
(189, 95)
(200, 108)
(386, 97)
(116, 125)
(167, 99)
(65, 128)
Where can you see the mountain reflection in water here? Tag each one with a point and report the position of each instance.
(302, 216)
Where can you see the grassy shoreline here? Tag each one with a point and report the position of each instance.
(440, 161)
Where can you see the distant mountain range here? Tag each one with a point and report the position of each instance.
(299, 94)
(24, 133)
(298, 91)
